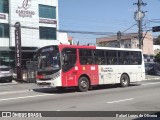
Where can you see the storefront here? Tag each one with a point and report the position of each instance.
(39, 25)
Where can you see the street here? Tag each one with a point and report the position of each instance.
(142, 96)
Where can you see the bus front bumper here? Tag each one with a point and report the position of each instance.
(45, 84)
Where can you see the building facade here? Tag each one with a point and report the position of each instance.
(39, 25)
(129, 41)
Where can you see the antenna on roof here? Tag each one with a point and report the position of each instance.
(88, 44)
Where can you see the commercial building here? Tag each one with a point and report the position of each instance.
(39, 25)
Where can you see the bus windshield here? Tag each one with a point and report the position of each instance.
(49, 59)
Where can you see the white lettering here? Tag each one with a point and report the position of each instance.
(17, 33)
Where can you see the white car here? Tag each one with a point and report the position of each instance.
(5, 74)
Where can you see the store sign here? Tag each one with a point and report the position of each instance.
(47, 21)
(48, 49)
(24, 9)
(18, 50)
(2, 16)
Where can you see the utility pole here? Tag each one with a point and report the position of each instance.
(139, 15)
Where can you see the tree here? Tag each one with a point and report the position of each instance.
(157, 58)
(157, 40)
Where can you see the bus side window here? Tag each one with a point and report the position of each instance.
(90, 61)
(99, 57)
(136, 58)
(85, 56)
(83, 61)
(112, 57)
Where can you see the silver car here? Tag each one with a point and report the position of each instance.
(5, 74)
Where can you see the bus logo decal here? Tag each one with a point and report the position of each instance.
(106, 69)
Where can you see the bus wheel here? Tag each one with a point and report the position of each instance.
(83, 84)
(124, 80)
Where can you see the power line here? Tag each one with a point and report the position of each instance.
(87, 32)
(129, 28)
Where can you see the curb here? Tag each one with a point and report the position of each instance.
(152, 78)
(11, 83)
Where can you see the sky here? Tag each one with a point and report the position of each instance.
(105, 16)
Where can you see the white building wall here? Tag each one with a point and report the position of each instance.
(30, 35)
(63, 38)
(156, 47)
(4, 42)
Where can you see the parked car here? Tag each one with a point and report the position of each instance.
(152, 68)
(148, 67)
(5, 74)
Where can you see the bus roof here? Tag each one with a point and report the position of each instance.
(95, 47)
(90, 47)
(112, 48)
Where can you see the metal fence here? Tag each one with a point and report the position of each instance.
(29, 74)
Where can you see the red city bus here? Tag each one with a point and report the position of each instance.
(64, 66)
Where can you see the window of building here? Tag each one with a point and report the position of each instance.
(48, 33)
(47, 11)
(126, 46)
(4, 30)
(4, 8)
(4, 58)
(129, 45)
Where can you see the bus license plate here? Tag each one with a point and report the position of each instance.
(49, 76)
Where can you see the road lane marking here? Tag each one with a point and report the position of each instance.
(6, 99)
(120, 101)
(151, 83)
(12, 92)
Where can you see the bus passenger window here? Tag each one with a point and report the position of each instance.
(90, 61)
(85, 56)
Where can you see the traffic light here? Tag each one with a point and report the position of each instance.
(156, 29)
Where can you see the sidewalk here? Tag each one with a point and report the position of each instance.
(152, 77)
(9, 83)
(15, 82)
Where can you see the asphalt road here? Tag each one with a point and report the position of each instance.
(143, 96)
